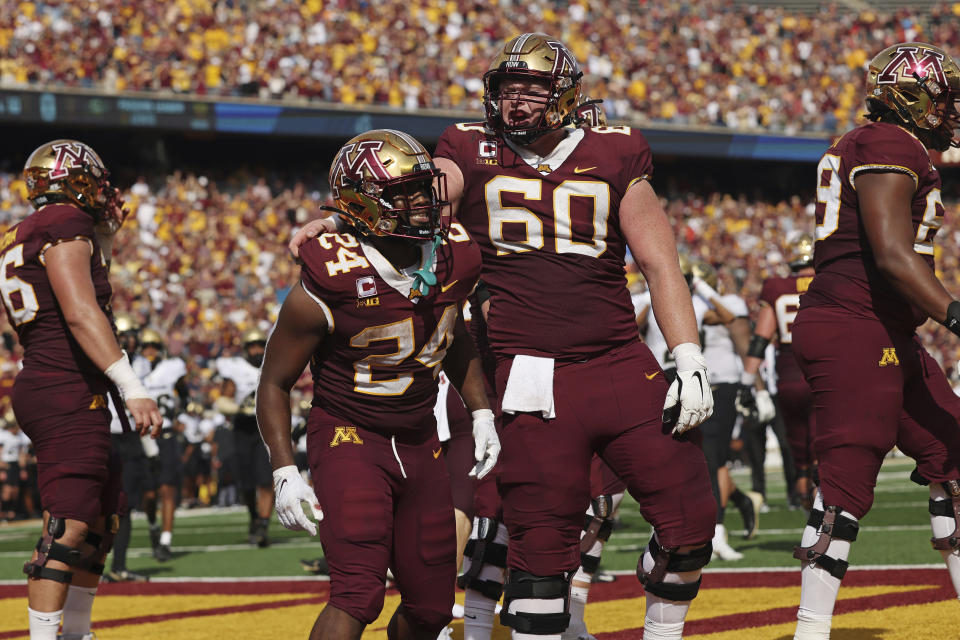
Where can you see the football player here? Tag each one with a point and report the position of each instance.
(779, 303)
(165, 380)
(237, 401)
(56, 294)
(138, 479)
(874, 385)
(375, 314)
(553, 216)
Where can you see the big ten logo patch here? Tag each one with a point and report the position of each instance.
(889, 356)
(345, 435)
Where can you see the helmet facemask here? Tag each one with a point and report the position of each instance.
(562, 91)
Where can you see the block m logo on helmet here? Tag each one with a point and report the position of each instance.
(905, 63)
(73, 155)
(564, 63)
(353, 160)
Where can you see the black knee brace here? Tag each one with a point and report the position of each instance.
(526, 586)
(483, 550)
(596, 527)
(831, 523)
(669, 560)
(49, 549)
(949, 509)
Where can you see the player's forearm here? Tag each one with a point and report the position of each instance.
(910, 276)
(92, 331)
(273, 419)
(471, 387)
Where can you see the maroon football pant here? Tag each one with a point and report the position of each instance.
(796, 407)
(384, 510)
(873, 388)
(611, 405)
(78, 473)
(458, 451)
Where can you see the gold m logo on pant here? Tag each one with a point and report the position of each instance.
(889, 357)
(345, 434)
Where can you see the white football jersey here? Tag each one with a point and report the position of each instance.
(654, 336)
(244, 375)
(12, 444)
(723, 363)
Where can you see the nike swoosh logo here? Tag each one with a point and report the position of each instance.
(446, 287)
(700, 380)
(585, 169)
(436, 454)
(467, 615)
(651, 376)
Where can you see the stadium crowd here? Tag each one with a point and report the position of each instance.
(711, 62)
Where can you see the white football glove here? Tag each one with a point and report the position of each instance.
(486, 443)
(766, 411)
(690, 389)
(290, 490)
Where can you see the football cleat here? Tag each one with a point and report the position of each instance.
(163, 553)
(920, 85)
(124, 576)
(316, 566)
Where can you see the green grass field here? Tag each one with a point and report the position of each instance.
(213, 544)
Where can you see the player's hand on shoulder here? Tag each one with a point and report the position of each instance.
(486, 443)
(146, 416)
(689, 399)
(289, 491)
(309, 231)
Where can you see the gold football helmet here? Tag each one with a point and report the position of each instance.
(533, 56)
(67, 171)
(125, 323)
(920, 85)
(385, 183)
(705, 272)
(802, 252)
(590, 114)
(151, 338)
(253, 336)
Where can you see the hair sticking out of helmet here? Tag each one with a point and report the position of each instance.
(384, 183)
(531, 88)
(67, 171)
(916, 85)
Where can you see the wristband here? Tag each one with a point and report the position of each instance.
(481, 414)
(126, 381)
(748, 379)
(704, 290)
(688, 357)
(952, 322)
(758, 346)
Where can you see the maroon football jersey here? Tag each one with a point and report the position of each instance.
(553, 253)
(847, 274)
(783, 296)
(377, 368)
(51, 354)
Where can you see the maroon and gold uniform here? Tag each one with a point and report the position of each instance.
(372, 421)
(553, 261)
(60, 396)
(782, 295)
(874, 385)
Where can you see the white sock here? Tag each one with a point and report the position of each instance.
(77, 609)
(944, 526)
(812, 626)
(44, 625)
(166, 538)
(664, 618)
(818, 593)
(536, 605)
(578, 602)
